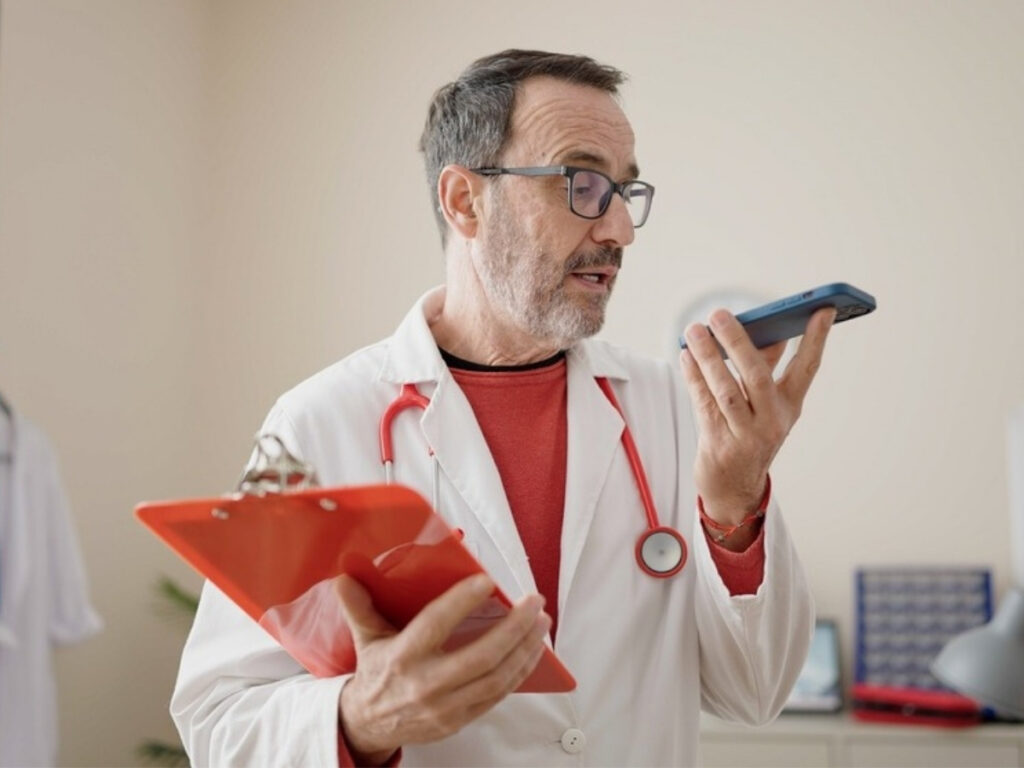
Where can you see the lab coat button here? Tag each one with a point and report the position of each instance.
(573, 741)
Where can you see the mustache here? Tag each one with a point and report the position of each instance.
(602, 257)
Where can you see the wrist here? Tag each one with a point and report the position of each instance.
(732, 508)
(742, 527)
(361, 751)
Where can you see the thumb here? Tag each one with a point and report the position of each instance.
(365, 624)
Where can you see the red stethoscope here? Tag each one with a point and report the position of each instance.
(660, 550)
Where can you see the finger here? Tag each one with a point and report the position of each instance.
(709, 418)
(800, 372)
(754, 372)
(723, 386)
(365, 624)
(485, 653)
(475, 710)
(430, 628)
(482, 693)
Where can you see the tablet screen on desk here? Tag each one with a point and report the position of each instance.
(818, 688)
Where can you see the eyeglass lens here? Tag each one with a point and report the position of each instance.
(591, 194)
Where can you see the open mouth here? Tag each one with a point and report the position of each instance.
(598, 277)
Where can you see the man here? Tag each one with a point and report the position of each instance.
(532, 167)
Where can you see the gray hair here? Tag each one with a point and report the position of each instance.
(469, 120)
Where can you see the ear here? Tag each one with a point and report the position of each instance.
(458, 192)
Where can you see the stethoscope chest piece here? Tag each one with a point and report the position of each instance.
(661, 551)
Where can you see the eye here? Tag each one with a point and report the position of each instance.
(587, 185)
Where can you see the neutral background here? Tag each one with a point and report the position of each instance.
(202, 203)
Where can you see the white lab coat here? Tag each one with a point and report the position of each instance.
(646, 653)
(44, 600)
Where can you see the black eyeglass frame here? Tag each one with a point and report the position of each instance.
(570, 171)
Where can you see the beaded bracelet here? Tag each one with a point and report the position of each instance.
(722, 532)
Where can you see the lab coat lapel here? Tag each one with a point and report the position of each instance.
(594, 434)
(454, 435)
(461, 449)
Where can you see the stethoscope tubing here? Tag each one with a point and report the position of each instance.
(634, 459)
(410, 397)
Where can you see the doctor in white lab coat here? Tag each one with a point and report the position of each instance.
(528, 275)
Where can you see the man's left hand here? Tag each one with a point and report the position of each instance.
(744, 422)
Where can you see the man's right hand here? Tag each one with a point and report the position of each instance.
(407, 690)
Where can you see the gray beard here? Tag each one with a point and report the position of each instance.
(539, 303)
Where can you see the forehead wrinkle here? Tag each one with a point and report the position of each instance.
(557, 126)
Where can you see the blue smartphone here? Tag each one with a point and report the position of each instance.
(786, 318)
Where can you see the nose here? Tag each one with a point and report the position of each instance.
(615, 228)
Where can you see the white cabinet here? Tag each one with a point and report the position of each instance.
(839, 741)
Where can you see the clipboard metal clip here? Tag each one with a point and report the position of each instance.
(275, 469)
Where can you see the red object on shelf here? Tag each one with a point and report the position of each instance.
(885, 704)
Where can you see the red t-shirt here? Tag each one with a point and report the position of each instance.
(522, 414)
(515, 405)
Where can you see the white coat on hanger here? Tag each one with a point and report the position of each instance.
(43, 595)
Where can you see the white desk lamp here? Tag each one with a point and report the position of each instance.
(987, 663)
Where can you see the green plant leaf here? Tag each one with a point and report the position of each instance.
(177, 596)
(161, 753)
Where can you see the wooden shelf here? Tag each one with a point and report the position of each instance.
(796, 741)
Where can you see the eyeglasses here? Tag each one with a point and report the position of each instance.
(590, 191)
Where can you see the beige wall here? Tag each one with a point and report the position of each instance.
(202, 203)
(101, 156)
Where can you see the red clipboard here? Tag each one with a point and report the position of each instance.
(276, 555)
